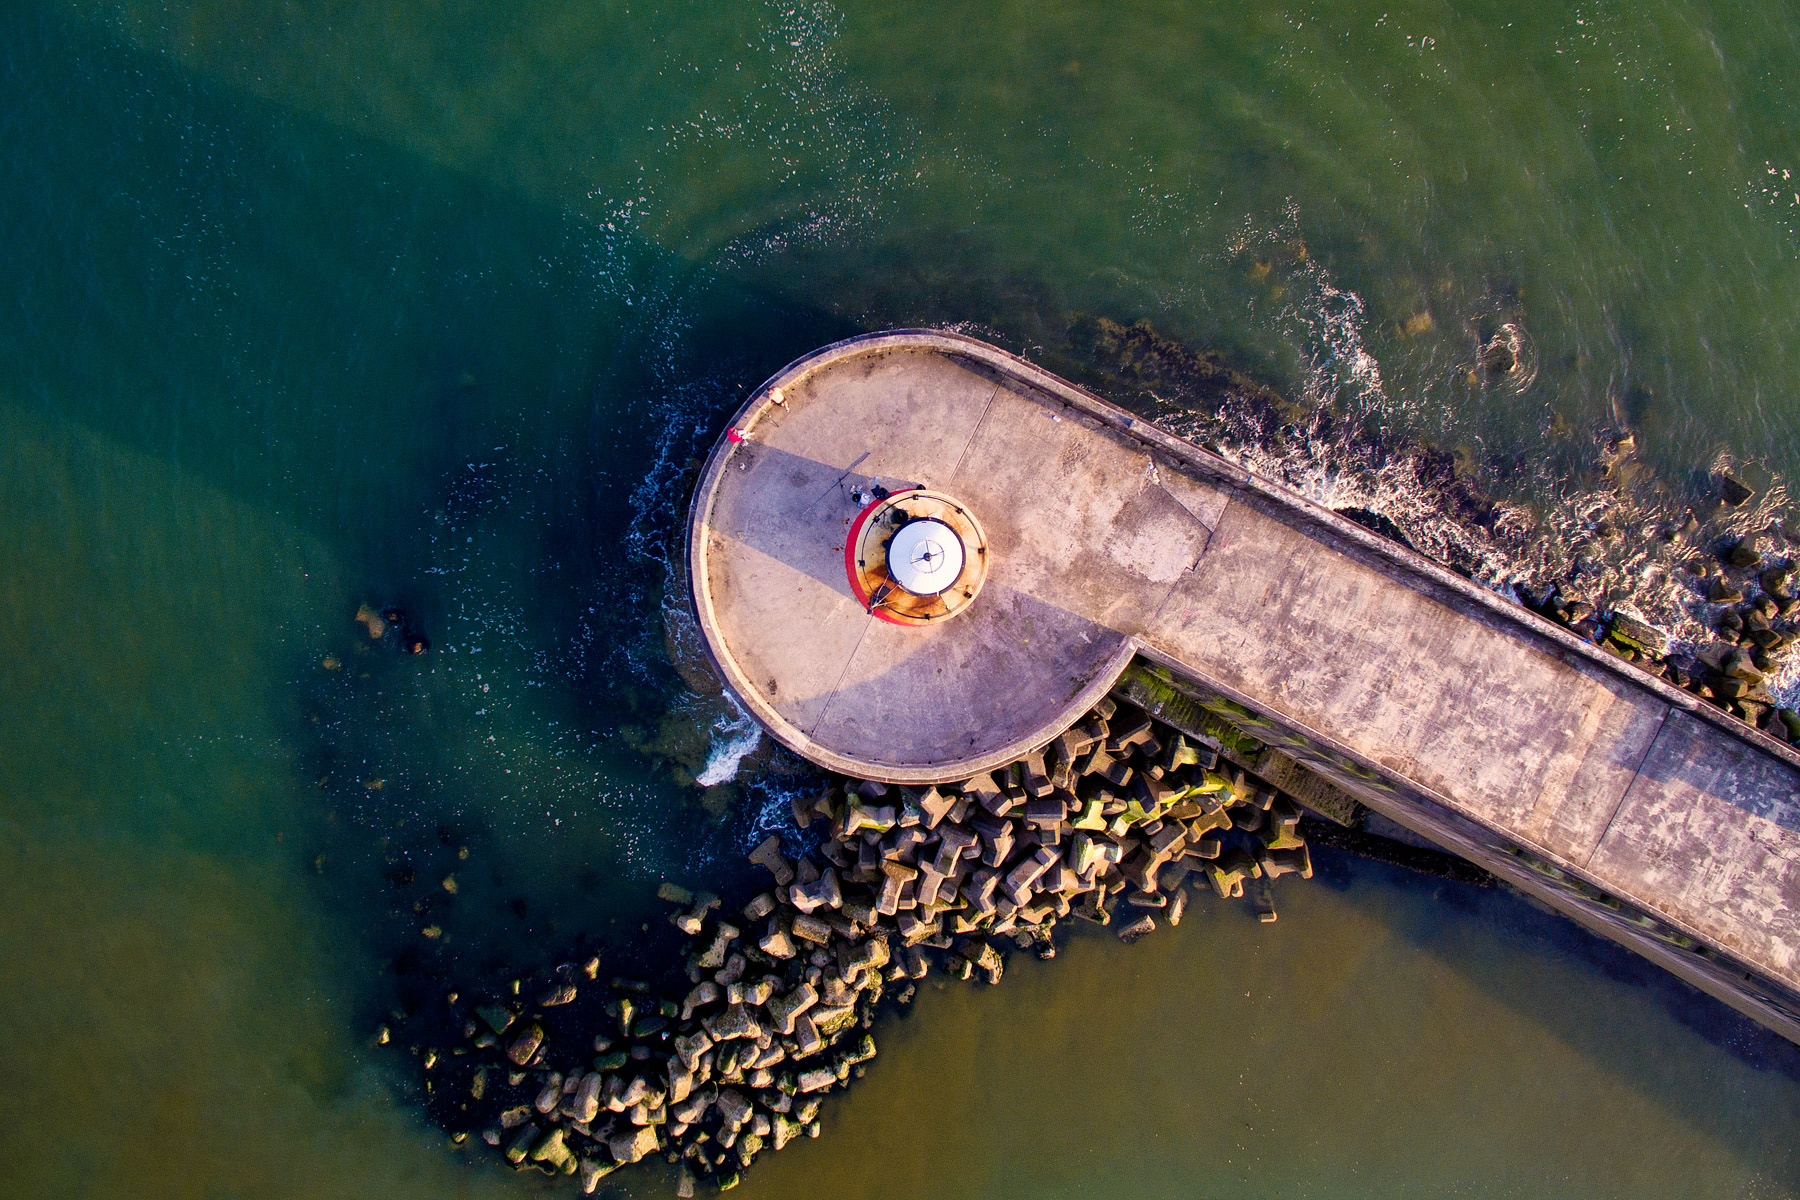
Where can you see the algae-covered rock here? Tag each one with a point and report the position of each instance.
(497, 1018)
(523, 1047)
(521, 1143)
(551, 1150)
(631, 1143)
(1138, 928)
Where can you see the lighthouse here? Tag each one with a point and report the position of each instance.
(916, 557)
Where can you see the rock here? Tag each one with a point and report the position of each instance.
(552, 1150)
(811, 929)
(878, 818)
(703, 993)
(768, 855)
(1740, 665)
(785, 1129)
(830, 1019)
(775, 940)
(1732, 492)
(786, 1009)
(497, 1018)
(862, 1052)
(556, 995)
(527, 1044)
(585, 1105)
(953, 841)
(979, 890)
(1228, 872)
(757, 993)
(934, 807)
(818, 1079)
(871, 955)
(1623, 629)
(1723, 591)
(521, 1143)
(690, 1047)
(732, 1022)
(713, 957)
(632, 1143)
(895, 876)
(982, 790)
(1282, 832)
(1018, 882)
(1295, 861)
(1128, 732)
(732, 971)
(807, 1039)
(986, 959)
(997, 839)
(733, 1107)
(1745, 554)
(1138, 928)
(822, 892)
(592, 1173)
(1083, 853)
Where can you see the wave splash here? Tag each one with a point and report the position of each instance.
(735, 737)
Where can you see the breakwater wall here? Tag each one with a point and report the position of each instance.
(1631, 805)
(727, 1054)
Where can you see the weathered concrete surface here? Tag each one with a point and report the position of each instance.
(1449, 709)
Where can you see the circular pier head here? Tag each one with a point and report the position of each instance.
(915, 557)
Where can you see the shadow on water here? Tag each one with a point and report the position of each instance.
(1532, 925)
(483, 408)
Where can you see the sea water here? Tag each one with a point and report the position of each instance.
(435, 305)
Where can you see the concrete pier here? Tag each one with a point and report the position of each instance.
(1624, 802)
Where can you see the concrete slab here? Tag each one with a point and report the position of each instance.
(1708, 835)
(1485, 714)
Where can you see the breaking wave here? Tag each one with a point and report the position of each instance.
(735, 737)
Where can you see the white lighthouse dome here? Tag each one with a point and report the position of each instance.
(925, 557)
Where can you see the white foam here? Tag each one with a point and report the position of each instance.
(734, 737)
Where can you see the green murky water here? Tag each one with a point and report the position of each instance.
(432, 304)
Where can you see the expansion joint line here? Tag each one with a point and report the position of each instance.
(970, 441)
(838, 684)
(1662, 725)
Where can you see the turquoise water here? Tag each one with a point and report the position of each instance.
(433, 305)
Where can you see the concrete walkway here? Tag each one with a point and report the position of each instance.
(1499, 735)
